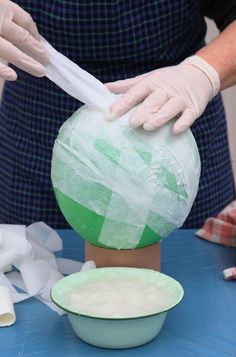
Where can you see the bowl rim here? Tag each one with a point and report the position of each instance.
(119, 318)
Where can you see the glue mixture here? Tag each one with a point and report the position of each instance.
(121, 296)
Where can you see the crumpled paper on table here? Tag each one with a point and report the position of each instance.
(30, 250)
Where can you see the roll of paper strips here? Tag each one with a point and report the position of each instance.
(7, 312)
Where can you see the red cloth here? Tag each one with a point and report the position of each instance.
(222, 230)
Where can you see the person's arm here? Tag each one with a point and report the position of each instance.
(184, 90)
(221, 55)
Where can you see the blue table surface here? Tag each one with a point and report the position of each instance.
(203, 325)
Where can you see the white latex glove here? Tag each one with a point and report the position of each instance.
(181, 91)
(19, 44)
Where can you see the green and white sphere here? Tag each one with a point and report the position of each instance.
(119, 187)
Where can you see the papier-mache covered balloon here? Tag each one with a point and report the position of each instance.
(118, 187)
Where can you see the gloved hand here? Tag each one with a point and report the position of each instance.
(181, 91)
(19, 42)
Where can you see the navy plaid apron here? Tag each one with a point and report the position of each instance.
(112, 40)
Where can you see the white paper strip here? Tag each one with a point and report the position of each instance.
(16, 296)
(14, 248)
(88, 265)
(68, 266)
(16, 279)
(75, 81)
(15, 228)
(7, 268)
(45, 236)
(37, 275)
(40, 253)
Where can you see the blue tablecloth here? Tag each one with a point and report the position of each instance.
(203, 325)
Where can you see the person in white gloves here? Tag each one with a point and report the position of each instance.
(181, 91)
(158, 45)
